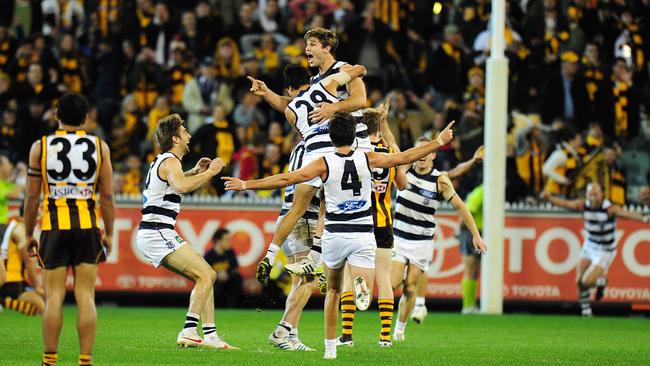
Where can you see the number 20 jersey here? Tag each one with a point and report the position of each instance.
(70, 163)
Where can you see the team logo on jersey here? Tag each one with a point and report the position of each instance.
(351, 205)
(427, 194)
(321, 128)
(170, 244)
(70, 192)
(378, 187)
(290, 189)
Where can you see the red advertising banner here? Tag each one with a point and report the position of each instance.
(541, 253)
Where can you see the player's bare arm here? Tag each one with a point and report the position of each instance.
(332, 82)
(449, 194)
(356, 100)
(259, 88)
(464, 167)
(172, 171)
(575, 205)
(106, 198)
(316, 168)
(409, 156)
(202, 165)
(618, 211)
(401, 182)
(32, 196)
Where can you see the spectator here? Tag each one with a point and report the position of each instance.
(179, 73)
(531, 148)
(271, 18)
(133, 175)
(31, 126)
(645, 196)
(246, 24)
(161, 33)
(624, 103)
(451, 57)
(565, 96)
(271, 165)
(408, 125)
(36, 87)
(595, 83)
(248, 156)
(215, 138)
(159, 110)
(8, 132)
(203, 92)
(563, 164)
(223, 260)
(248, 115)
(70, 64)
(268, 50)
(7, 94)
(227, 59)
(615, 181)
(146, 80)
(11, 185)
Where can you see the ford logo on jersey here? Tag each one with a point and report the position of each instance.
(321, 128)
(351, 205)
(427, 194)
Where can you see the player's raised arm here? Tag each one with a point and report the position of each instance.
(357, 100)
(449, 194)
(575, 205)
(172, 171)
(464, 167)
(618, 211)
(278, 102)
(412, 154)
(317, 168)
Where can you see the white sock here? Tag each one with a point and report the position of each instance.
(330, 345)
(399, 326)
(272, 252)
(294, 333)
(601, 281)
(316, 257)
(283, 329)
(419, 301)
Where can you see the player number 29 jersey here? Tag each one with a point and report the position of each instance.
(70, 163)
(305, 102)
(348, 193)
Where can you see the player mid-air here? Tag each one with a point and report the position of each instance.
(599, 248)
(348, 235)
(157, 238)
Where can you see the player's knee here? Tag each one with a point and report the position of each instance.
(209, 275)
(409, 289)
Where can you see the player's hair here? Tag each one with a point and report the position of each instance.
(168, 127)
(371, 118)
(220, 233)
(72, 109)
(326, 37)
(295, 76)
(342, 129)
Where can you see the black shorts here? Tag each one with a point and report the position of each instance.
(63, 248)
(466, 245)
(384, 237)
(12, 289)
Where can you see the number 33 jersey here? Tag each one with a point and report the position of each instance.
(348, 193)
(70, 163)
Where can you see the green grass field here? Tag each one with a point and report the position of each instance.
(146, 336)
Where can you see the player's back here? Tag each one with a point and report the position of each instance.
(348, 193)
(70, 169)
(161, 204)
(382, 182)
(305, 102)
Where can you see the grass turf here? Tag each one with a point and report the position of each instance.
(146, 336)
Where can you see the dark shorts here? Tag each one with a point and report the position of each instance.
(384, 237)
(12, 289)
(63, 248)
(466, 246)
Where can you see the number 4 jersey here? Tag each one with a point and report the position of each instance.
(70, 165)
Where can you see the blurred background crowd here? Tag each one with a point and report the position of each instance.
(578, 87)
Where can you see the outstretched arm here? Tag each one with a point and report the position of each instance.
(278, 102)
(575, 205)
(316, 168)
(406, 157)
(618, 211)
(464, 167)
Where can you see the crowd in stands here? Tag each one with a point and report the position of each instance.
(578, 80)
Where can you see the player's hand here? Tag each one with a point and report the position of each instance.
(447, 134)
(233, 184)
(202, 165)
(32, 246)
(107, 242)
(384, 108)
(322, 112)
(258, 87)
(479, 153)
(479, 244)
(544, 196)
(216, 165)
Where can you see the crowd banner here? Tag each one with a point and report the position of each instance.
(541, 253)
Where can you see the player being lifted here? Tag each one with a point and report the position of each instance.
(414, 225)
(302, 228)
(157, 238)
(599, 248)
(321, 44)
(348, 236)
(70, 167)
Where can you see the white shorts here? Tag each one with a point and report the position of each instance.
(416, 252)
(156, 244)
(596, 255)
(358, 249)
(299, 237)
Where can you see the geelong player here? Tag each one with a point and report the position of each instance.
(599, 248)
(157, 238)
(348, 236)
(70, 167)
(414, 226)
(321, 44)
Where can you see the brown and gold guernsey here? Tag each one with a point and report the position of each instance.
(382, 183)
(70, 163)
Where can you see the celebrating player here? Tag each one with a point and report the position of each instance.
(414, 224)
(157, 238)
(348, 236)
(70, 166)
(599, 248)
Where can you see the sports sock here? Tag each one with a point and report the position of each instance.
(584, 299)
(601, 281)
(85, 360)
(419, 301)
(330, 345)
(315, 252)
(293, 333)
(469, 292)
(283, 329)
(49, 359)
(191, 321)
(209, 328)
(386, 315)
(23, 307)
(348, 308)
(399, 326)
(272, 252)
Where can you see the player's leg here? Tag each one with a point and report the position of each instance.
(211, 338)
(471, 266)
(36, 301)
(594, 275)
(332, 298)
(348, 308)
(583, 292)
(419, 311)
(361, 263)
(385, 293)
(407, 302)
(301, 199)
(313, 261)
(85, 276)
(14, 297)
(54, 285)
